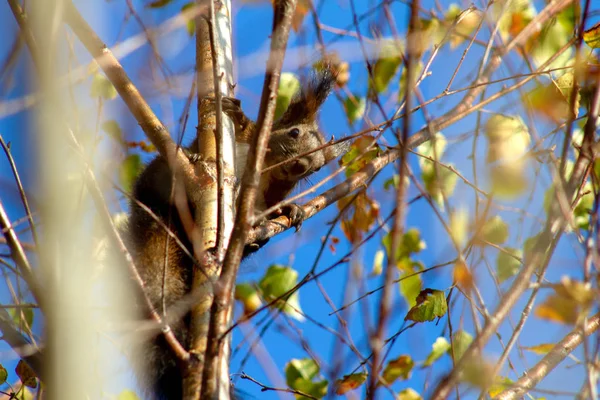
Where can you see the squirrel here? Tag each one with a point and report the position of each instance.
(294, 133)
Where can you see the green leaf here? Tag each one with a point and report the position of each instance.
(495, 230)
(190, 26)
(431, 304)
(102, 87)
(130, 169)
(411, 243)
(410, 288)
(289, 85)
(506, 265)
(299, 375)
(394, 181)
(112, 128)
(248, 296)
(400, 368)
(592, 36)
(277, 281)
(354, 159)
(386, 67)
(438, 349)
(461, 341)
(3, 375)
(551, 38)
(355, 108)
(433, 148)
(22, 316)
(409, 394)
(26, 374)
(439, 183)
(305, 368)
(349, 382)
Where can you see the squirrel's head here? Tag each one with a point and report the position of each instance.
(297, 132)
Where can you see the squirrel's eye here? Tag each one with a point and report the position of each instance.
(294, 133)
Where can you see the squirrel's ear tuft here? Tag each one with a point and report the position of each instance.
(335, 150)
(304, 106)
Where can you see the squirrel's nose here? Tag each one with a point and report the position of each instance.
(299, 167)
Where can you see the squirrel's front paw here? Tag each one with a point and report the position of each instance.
(295, 213)
(231, 106)
(193, 157)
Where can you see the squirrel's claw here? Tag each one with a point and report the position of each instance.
(295, 213)
(193, 157)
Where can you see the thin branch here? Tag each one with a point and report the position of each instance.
(558, 353)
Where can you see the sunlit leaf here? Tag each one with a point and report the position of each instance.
(554, 100)
(355, 108)
(190, 25)
(557, 308)
(410, 287)
(495, 230)
(248, 295)
(102, 87)
(399, 368)
(500, 385)
(430, 304)
(461, 340)
(359, 216)
(467, 21)
(289, 85)
(354, 159)
(113, 129)
(3, 375)
(410, 243)
(130, 169)
(546, 43)
(299, 375)
(506, 265)
(459, 221)
(127, 395)
(541, 349)
(23, 316)
(508, 181)
(408, 394)
(508, 137)
(462, 276)
(592, 36)
(378, 263)
(277, 281)
(349, 382)
(386, 66)
(433, 148)
(439, 182)
(438, 349)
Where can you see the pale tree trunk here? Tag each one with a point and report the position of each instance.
(216, 203)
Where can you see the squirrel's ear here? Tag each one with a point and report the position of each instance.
(335, 150)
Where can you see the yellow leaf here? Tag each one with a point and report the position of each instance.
(462, 276)
(559, 309)
(541, 348)
(349, 382)
(592, 36)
